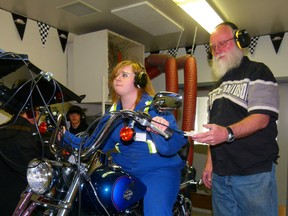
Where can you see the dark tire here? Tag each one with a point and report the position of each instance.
(183, 207)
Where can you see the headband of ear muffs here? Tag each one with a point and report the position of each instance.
(140, 80)
(241, 37)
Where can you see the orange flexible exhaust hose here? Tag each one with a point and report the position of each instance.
(171, 74)
(181, 61)
(190, 95)
(153, 72)
(158, 60)
(154, 64)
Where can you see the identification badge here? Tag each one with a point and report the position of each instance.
(140, 137)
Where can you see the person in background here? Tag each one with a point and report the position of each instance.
(76, 117)
(242, 129)
(19, 144)
(150, 157)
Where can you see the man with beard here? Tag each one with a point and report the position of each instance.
(242, 129)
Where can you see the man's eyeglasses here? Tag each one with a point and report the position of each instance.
(221, 45)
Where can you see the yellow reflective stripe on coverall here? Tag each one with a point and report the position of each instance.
(150, 143)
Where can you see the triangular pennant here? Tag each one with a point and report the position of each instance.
(208, 51)
(44, 30)
(277, 40)
(253, 44)
(63, 35)
(173, 52)
(154, 52)
(20, 23)
(189, 50)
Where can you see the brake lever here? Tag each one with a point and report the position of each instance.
(145, 120)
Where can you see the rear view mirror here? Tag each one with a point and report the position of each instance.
(166, 100)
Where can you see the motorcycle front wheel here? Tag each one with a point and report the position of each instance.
(183, 206)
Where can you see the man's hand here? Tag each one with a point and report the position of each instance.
(207, 171)
(216, 135)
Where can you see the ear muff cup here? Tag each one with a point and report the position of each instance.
(242, 38)
(83, 116)
(140, 80)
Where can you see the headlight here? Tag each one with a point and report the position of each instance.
(39, 176)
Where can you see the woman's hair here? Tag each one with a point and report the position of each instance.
(137, 68)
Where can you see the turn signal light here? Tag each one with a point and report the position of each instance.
(43, 127)
(127, 133)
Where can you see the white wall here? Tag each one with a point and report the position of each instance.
(49, 58)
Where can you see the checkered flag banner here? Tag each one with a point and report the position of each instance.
(277, 40)
(20, 23)
(253, 44)
(63, 36)
(173, 52)
(189, 50)
(208, 51)
(44, 30)
(207, 48)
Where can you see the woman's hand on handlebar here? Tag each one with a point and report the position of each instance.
(61, 133)
(159, 122)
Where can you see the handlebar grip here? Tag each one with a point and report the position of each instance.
(159, 131)
(169, 132)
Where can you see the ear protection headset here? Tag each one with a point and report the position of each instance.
(241, 37)
(83, 115)
(141, 79)
(76, 109)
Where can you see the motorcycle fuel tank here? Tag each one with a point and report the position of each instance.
(111, 190)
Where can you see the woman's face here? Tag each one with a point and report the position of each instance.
(123, 83)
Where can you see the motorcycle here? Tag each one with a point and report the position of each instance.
(84, 181)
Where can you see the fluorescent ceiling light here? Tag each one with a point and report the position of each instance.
(201, 12)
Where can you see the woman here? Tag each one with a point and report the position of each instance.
(150, 157)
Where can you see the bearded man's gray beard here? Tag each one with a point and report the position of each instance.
(231, 60)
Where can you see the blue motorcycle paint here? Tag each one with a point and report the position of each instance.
(115, 189)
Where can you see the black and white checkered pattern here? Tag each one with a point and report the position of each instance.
(44, 30)
(207, 48)
(173, 52)
(253, 44)
(208, 51)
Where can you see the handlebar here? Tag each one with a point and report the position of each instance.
(191, 182)
(141, 118)
(162, 101)
(145, 120)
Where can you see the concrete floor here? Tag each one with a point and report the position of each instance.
(200, 214)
